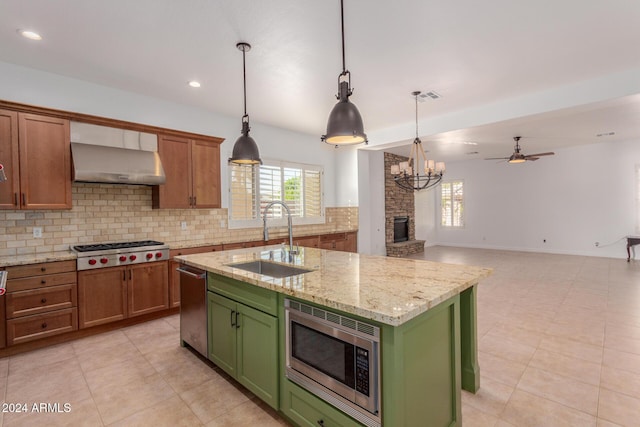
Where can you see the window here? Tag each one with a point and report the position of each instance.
(452, 204)
(253, 187)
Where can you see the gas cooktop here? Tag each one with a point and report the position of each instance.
(116, 245)
(102, 255)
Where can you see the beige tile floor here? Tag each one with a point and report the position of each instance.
(559, 340)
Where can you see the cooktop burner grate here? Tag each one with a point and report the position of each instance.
(117, 245)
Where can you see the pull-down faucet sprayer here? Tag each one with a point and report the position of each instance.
(266, 229)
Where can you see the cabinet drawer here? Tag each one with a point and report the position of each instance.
(29, 328)
(259, 298)
(306, 409)
(20, 271)
(25, 303)
(39, 282)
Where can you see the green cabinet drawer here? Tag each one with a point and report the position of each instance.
(306, 410)
(261, 299)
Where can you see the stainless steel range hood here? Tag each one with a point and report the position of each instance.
(110, 155)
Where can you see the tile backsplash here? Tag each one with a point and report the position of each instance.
(116, 212)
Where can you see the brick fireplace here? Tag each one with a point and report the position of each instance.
(399, 203)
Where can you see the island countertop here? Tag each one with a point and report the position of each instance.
(385, 289)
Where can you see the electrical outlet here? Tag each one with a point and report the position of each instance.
(37, 232)
(183, 225)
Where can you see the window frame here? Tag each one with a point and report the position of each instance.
(462, 203)
(257, 221)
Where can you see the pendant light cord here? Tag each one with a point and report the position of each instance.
(416, 96)
(344, 67)
(244, 78)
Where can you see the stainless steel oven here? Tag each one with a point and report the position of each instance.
(335, 357)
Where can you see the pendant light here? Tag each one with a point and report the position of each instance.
(344, 126)
(417, 173)
(245, 150)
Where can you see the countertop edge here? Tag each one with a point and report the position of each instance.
(259, 280)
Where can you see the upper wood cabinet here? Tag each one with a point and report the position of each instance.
(35, 152)
(192, 167)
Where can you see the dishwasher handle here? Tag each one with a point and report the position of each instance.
(198, 274)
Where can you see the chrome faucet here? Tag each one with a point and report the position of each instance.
(266, 229)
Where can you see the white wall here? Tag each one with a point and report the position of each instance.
(30, 86)
(580, 196)
(371, 214)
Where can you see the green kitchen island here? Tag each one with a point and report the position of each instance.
(426, 312)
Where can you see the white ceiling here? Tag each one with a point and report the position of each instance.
(472, 53)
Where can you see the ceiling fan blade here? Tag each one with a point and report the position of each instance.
(550, 153)
(532, 159)
(497, 158)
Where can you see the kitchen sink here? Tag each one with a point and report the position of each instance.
(270, 269)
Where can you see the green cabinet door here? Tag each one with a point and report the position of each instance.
(222, 332)
(257, 358)
(243, 342)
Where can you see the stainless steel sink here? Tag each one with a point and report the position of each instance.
(270, 269)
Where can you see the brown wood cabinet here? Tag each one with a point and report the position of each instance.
(41, 301)
(347, 242)
(148, 288)
(110, 294)
(174, 275)
(35, 151)
(192, 168)
(102, 296)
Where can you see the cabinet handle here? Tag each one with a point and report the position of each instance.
(231, 319)
(194, 201)
(43, 268)
(43, 300)
(321, 422)
(43, 281)
(44, 325)
(24, 200)
(237, 323)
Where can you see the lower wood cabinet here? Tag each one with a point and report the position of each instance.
(29, 328)
(110, 294)
(347, 242)
(41, 301)
(243, 341)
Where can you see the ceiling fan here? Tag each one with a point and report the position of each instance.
(518, 157)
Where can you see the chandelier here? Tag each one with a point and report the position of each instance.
(417, 173)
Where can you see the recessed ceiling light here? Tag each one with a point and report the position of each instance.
(194, 83)
(32, 35)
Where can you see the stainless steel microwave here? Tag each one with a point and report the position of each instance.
(335, 357)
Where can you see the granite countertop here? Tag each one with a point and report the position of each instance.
(6, 261)
(385, 289)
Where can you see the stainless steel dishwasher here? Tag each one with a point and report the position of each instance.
(193, 308)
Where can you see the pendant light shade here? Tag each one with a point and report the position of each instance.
(344, 126)
(245, 150)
